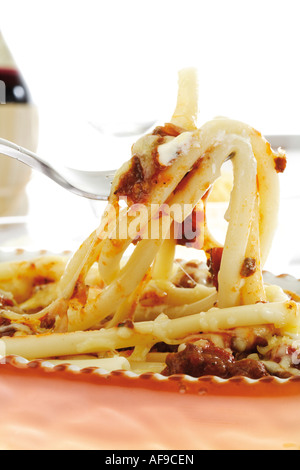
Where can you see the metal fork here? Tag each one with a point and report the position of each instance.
(89, 184)
(95, 184)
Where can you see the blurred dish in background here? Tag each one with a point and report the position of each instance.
(19, 124)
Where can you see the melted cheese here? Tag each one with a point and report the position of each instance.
(169, 151)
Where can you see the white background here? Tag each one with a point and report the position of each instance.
(110, 62)
(101, 61)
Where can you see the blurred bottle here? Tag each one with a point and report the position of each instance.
(19, 124)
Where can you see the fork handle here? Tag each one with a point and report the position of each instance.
(23, 155)
(29, 158)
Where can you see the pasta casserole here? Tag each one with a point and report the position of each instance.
(125, 300)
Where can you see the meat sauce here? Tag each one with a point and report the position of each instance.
(214, 263)
(214, 258)
(248, 267)
(280, 164)
(47, 322)
(211, 360)
(168, 129)
(186, 281)
(134, 184)
(6, 329)
(5, 301)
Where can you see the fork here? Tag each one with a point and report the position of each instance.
(94, 185)
(89, 184)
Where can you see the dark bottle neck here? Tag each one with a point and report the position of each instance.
(15, 87)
